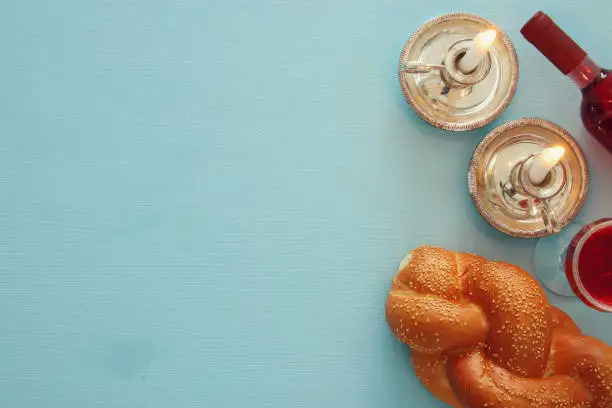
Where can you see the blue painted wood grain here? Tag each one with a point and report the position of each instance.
(203, 202)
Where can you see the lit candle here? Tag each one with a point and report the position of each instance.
(476, 52)
(544, 162)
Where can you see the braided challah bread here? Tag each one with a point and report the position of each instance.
(483, 334)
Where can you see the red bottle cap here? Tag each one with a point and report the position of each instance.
(557, 46)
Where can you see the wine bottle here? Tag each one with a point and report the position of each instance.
(594, 81)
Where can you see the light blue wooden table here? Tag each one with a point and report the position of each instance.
(203, 202)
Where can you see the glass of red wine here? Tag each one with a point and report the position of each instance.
(578, 262)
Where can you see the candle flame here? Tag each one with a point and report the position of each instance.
(544, 162)
(553, 154)
(485, 39)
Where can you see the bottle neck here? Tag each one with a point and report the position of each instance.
(585, 73)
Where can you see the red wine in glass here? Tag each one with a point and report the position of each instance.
(578, 262)
(573, 61)
(588, 264)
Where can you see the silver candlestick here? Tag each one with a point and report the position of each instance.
(505, 194)
(443, 94)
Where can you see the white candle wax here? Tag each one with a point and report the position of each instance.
(544, 162)
(476, 52)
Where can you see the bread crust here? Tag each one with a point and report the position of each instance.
(484, 334)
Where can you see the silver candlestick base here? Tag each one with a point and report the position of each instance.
(502, 191)
(443, 95)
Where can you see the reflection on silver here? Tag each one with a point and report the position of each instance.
(538, 197)
(419, 68)
(501, 189)
(446, 97)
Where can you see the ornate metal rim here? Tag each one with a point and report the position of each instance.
(478, 152)
(426, 116)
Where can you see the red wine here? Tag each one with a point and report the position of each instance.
(573, 61)
(596, 109)
(588, 264)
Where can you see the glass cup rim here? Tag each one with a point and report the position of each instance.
(587, 231)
